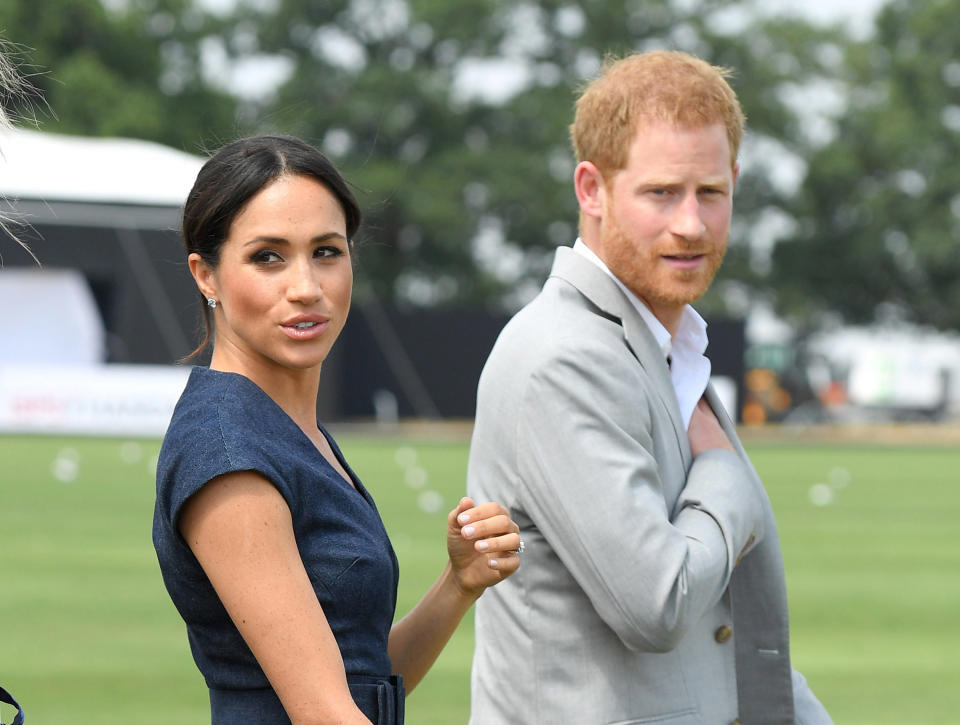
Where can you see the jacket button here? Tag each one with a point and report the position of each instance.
(722, 634)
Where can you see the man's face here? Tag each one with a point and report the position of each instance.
(666, 215)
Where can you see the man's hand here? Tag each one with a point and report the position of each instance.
(705, 431)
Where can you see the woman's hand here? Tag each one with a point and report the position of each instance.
(482, 542)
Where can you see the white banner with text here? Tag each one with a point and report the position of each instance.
(99, 400)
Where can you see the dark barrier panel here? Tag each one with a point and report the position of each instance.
(726, 353)
(430, 360)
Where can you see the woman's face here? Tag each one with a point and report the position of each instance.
(284, 279)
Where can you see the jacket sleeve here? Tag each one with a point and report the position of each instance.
(807, 707)
(590, 482)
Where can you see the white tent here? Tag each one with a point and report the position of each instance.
(56, 179)
(98, 206)
(51, 167)
(104, 213)
(50, 318)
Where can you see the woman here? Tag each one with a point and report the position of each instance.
(269, 545)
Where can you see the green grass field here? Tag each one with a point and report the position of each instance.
(88, 635)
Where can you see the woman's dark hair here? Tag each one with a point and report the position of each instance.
(15, 91)
(234, 175)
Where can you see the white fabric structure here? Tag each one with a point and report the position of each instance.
(52, 167)
(52, 337)
(50, 317)
(897, 368)
(100, 400)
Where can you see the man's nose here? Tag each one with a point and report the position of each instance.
(687, 221)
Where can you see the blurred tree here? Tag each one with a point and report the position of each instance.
(127, 68)
(451, 119)
(880, 205)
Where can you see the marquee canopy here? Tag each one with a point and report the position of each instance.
(54, 178)
(54, 167)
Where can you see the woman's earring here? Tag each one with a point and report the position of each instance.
(211, 303)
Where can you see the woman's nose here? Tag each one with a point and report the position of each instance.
(304, 285)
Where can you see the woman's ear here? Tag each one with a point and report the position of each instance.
(203, 275)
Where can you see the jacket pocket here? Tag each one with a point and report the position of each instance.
(690, 716)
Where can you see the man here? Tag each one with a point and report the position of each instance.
(652, 586)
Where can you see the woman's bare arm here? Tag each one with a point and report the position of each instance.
(482, 543)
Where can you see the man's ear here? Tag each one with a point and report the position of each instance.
(589, 186)
(203, 275)
(736, 173)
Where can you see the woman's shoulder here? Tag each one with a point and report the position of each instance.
(212, 398)
(220, 416)
(218, 426)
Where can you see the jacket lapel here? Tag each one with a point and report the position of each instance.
(604, 294)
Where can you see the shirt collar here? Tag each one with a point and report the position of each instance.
(692, 331)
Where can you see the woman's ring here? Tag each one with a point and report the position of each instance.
(521, 547)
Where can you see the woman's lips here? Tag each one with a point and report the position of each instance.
(305, 327)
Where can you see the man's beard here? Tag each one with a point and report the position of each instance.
(644, 273)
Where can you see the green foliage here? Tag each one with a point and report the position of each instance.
(880, 203)
(468, 194)
(129, 71)
(90, 636)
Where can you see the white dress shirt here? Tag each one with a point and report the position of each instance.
(689, 367)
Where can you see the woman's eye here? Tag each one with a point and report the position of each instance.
(266, 256)
(328, 252)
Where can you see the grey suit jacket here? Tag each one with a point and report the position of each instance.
(652, 585)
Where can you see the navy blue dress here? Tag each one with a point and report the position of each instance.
(224, 423)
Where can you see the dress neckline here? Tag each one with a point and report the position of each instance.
(357, 486)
